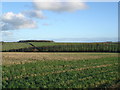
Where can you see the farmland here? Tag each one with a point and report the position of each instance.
(60, 70)
(14, 45)
(59, 47)
(60, 65)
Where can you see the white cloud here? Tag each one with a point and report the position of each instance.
(11, 21)
(52, 5)
(34, 14)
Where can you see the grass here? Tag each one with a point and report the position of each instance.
(60, 70)
(14, 45)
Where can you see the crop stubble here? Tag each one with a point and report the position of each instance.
(9, 58)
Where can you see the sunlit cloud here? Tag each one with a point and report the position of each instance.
(52, 5)
(12, 21)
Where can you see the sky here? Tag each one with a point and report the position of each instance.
(60, 21)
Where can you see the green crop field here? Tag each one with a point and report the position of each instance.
(41, 44)
(60, 70)
(79, 47)
(59, 47)
(14, 45)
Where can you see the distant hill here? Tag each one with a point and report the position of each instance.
(35, 41)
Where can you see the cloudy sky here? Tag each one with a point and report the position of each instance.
(59, 21)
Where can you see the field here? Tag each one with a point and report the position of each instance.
(59, 47)
(14, 45)
(60, 70)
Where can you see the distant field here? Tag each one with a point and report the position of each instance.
(41, 44)
(14, 45)
(59, 47)
(60, 70)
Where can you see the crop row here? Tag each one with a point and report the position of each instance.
(79, 48)
(45, 66)
(83, 78)
(92, 73)
(25, 74)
